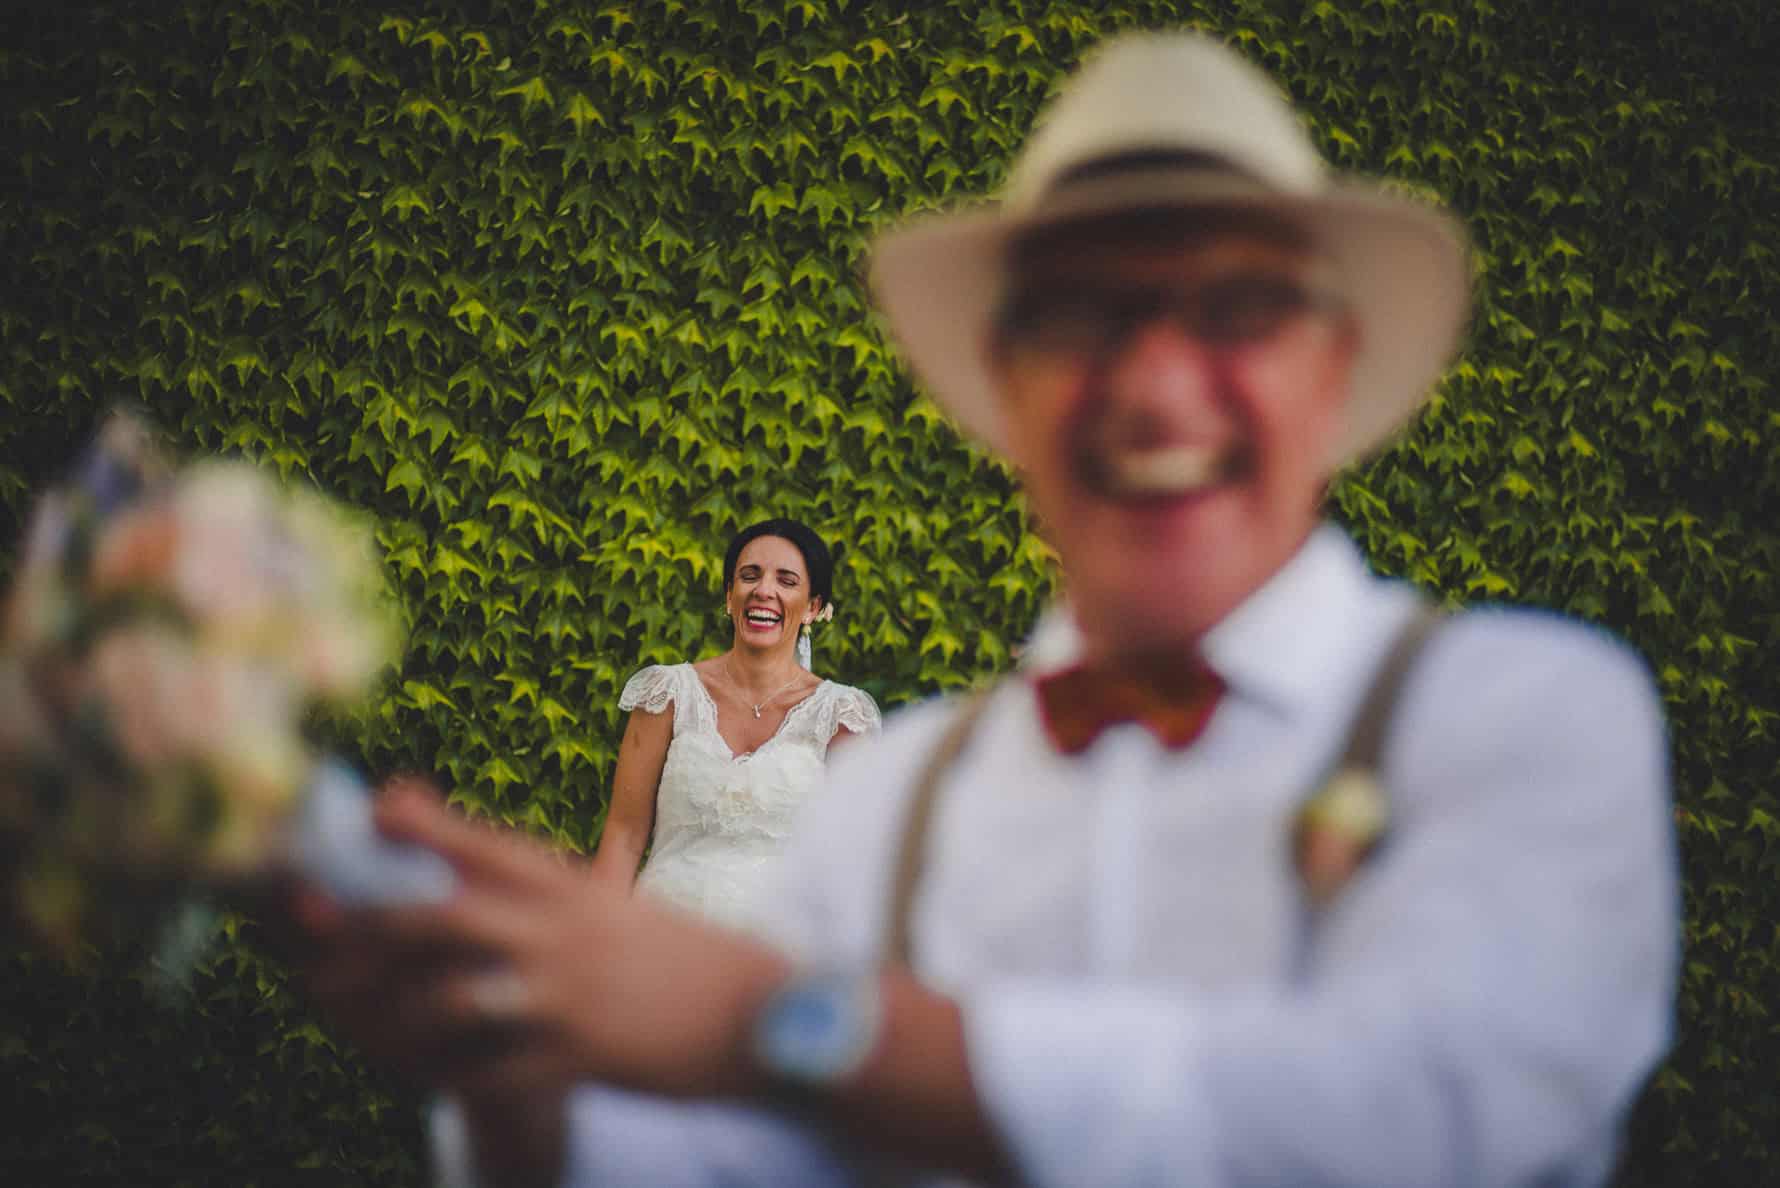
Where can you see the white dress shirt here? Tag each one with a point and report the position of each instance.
(1146, 997)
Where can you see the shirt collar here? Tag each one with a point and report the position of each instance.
(1276, 646)
(1280, 643)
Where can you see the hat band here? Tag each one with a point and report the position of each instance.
(1160, 177)
(1146, 161)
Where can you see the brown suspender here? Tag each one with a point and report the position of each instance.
(1365, 738)
(1365, 746)
(913, 843)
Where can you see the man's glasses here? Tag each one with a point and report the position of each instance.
(1089, 322)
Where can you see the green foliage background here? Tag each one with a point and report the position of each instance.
(565, 293)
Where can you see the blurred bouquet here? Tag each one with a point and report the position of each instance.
(167, 633)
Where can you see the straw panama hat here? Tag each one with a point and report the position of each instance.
(1176, 119)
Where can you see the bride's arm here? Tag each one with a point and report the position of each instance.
(632, 816)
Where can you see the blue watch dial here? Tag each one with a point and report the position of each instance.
(818, 1028)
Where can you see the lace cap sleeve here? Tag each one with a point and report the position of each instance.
(653, 689)
(855, 710)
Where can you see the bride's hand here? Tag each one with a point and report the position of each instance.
(532, 976)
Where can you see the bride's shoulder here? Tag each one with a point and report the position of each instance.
(853, 708)
(654, 688)
(709, 666)
(842, 692)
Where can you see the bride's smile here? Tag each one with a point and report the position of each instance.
(770, 597)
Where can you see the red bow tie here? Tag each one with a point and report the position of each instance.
(1173, 702)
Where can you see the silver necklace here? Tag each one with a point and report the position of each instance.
(729, 673)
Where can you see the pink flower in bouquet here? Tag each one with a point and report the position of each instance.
(220, 721)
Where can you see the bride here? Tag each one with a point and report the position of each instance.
(718, 755)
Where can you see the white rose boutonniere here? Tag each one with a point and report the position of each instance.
(1336, 831)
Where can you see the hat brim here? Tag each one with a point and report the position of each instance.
(1403, 268)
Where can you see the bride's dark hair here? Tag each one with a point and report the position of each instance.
(816, 560)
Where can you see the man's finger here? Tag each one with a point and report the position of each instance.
(475, 922)
(412, 812)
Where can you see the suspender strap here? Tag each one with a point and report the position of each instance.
(1365, 738)
(912, 845)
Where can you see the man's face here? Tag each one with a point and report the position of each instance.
(1172, 398)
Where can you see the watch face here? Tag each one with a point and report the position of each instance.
(818, 1029)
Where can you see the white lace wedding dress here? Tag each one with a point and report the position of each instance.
(722, 818)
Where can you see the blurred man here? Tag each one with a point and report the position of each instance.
(1257, 874)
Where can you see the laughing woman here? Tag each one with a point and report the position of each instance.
(718, 754)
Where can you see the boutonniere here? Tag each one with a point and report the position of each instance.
(1336, 831)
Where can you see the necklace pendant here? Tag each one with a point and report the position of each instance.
(757, 711)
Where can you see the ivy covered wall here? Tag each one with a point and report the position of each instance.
(565, 292)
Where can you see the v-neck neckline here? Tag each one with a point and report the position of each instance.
(717, 729)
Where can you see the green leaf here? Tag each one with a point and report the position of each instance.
(533, 92)
(581, 113)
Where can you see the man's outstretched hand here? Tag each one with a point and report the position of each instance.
(531, 977)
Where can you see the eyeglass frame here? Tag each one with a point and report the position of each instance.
(1200, 309)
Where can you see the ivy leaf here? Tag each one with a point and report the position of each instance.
(772, 199)
(581, 112)
(533, 92)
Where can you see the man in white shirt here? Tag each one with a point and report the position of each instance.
(1087, 930)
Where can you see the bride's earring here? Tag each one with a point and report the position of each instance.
(803, 646)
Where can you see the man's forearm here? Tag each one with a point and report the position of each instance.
(914, 1099)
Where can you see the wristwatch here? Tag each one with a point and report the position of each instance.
(819, 1028)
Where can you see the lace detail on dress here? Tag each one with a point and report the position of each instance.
(855, 710)
(660, 685)
(651, 690)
